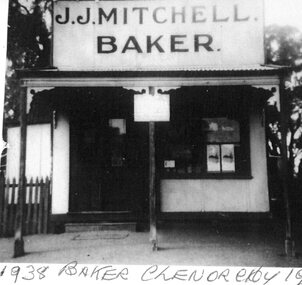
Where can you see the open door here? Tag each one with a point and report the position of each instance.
(109, 162)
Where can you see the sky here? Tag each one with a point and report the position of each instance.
(284, 12)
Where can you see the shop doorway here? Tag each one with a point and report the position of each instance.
(109, 155)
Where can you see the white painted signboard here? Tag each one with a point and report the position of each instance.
(149, 107)
(157, 35)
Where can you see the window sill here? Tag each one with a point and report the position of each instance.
(213, 176)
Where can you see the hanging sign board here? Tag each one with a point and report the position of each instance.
(148, 108)
(157, 35)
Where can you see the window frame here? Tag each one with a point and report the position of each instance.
(241, 171)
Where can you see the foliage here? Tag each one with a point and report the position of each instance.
(294, 134)
(295, 129)
(283, 46)
(28, 45)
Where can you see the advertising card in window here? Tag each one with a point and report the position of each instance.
(227, 158)
(213, 158)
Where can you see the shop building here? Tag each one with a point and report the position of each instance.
(153, 110)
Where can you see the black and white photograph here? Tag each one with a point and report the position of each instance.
(151, 141)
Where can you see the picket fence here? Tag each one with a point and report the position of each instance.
(35, 210)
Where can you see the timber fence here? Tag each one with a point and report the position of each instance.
(35, 209)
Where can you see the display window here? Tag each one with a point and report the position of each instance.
(201, 141)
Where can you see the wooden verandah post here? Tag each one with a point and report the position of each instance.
(152, 188)
(152, 182)
(19, 243)
(284, 115)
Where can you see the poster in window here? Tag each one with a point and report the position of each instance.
(119, 125)
(169, 164)
(213, 158)
(221, 130)
(227, 158)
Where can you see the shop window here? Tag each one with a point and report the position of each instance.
(204, 147)
(222, 138)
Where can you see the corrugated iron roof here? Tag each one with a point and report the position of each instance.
(210, 71)
(257, 67)
(226, 68)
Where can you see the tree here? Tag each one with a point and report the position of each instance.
(295, 129)
(28, 45)
(283, 46)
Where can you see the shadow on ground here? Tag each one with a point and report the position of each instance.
(205, 244)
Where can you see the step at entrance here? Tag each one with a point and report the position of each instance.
(90, 227)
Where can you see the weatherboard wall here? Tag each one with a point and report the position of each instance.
(223, 195)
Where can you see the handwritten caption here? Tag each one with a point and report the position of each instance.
(72, 271)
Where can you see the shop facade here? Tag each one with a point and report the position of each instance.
(153, 111)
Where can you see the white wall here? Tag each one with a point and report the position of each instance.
(227, 195)
(60, 194)
(38, 152)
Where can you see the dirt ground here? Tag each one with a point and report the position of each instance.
(206, 244)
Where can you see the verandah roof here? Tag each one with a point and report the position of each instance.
(223, 75)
